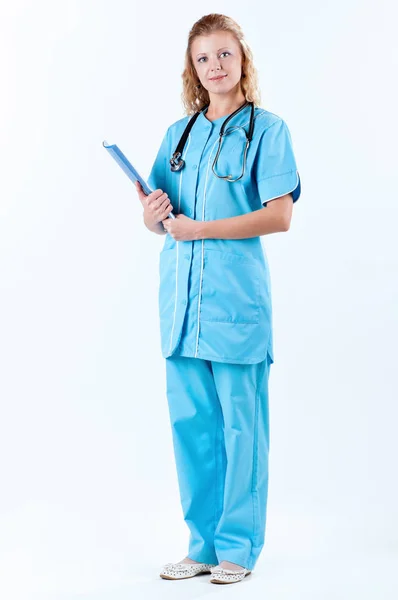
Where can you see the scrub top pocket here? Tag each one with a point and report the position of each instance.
(230, 288)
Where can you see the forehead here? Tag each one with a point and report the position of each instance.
(213, 42)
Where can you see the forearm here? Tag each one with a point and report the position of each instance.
(253, 224)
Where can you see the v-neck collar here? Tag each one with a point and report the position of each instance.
(218, 122)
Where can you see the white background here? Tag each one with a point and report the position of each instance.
(89, 503)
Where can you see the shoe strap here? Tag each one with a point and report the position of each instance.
(229, 571)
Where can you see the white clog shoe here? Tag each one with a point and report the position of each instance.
(220, 575)
(184, 570)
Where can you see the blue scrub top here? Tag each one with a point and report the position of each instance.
(215, 294)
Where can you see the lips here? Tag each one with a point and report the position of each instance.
(217, 78)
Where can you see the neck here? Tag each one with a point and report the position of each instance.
(221, 106)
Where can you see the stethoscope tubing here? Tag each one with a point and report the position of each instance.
(177, 162)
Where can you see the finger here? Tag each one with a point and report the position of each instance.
(163, 206)
(154, 197)
(164, 202)
(142, 196)
(160, 200)
(159, 213)
(142, 199)
(165, 210)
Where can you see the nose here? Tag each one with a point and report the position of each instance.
(215, 64)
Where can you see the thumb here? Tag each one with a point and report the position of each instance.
(139, 187)
(140, 192)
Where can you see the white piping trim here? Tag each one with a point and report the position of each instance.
(202, 257)
(274, 198)
(201, 267)
(176, 289)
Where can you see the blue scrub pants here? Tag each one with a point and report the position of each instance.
(220, 428)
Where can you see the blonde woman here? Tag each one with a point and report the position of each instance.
(228, 173)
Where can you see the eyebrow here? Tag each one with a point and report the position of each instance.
(217, 51)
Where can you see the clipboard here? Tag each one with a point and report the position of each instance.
(128, 168)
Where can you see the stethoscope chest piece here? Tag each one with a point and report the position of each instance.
(176, 162)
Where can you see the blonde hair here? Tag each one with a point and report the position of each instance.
(194, 96)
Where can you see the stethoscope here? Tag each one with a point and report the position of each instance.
(177, 162)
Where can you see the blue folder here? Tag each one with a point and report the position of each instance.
(128, 168)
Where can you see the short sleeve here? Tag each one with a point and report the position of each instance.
(276, 169)
(157, 176)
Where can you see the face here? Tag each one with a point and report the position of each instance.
(215, 55)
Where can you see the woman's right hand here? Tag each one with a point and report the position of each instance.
(156, 206)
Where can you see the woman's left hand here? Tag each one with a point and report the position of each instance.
(182, 228)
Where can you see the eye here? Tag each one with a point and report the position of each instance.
(204, 57)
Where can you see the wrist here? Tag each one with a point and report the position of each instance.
(159, 228)
(156, 227)
(201, 230)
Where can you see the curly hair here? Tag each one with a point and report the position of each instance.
(194, 96)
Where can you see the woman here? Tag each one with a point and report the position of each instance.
(214, 298)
